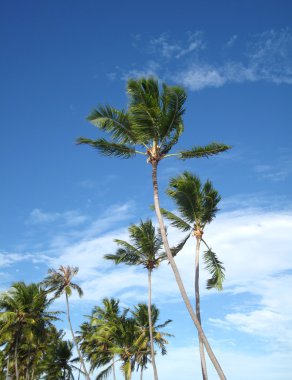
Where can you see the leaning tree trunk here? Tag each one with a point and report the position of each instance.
(198, 308)
(177, 275)
(74, 339)
(150, 325)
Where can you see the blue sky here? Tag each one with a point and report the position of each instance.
(63, 204)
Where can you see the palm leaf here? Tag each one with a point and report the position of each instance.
(113, 121)
(107, 148)
(216, 269)
(175, 250)
(105, 373)
(203, 151)
(175, 220)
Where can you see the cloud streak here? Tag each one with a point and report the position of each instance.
(264, 57)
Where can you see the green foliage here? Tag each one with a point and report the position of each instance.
(153, 120)
(144, 247)
(25, 327)
(204, 151)
(196, 203)
(60, 281)
(123, 336)
(216, 269)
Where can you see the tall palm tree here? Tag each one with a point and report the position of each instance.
(144, 249)
(60, 282)
(24, 320)
(197, 204)
(153, 122)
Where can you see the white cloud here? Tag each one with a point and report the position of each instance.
(253, 243)
(237, 365)
(8, 259)
(265, 57)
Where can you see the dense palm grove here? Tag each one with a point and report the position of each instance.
(33, 348)
(112, 338)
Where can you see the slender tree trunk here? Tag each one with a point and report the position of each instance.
(74, 339)
(141, 373)
(114, 368)
(16, 357)
(150, 325)
(7, 369)
(177, 275)
(198, 308)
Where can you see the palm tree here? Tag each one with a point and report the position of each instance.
(108, 335)
(60, 282)
(197, 205)
(24, 321)
(144, 324)
(58, 364)
(153, 122)
(144, 250)
(98, 336)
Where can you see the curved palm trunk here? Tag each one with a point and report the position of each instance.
(150, 325)
(198, 308)
(177, 275)
(74, 339)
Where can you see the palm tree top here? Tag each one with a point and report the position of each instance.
(144, 247)
(60, 281)
(153, 120)
(196, 202)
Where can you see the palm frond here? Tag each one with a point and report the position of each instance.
(175, 220)
(216, 269)
(173, 99)
(113, 121)
(105, 373)
(107, 148)
(175, 250)
(203, 151)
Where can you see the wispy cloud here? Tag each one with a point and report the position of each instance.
(169, 48)
(70, 218)
(277, 171)
(263, 57)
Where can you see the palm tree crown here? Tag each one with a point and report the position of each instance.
(144, 248)
(152, 121)
(60, 281)
(197, 204)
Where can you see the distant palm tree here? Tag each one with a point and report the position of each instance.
(144, 249)
(60, 282)
(197, 204)
(151, 127)
(24, 319)
(141, 315)
(58, 364)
